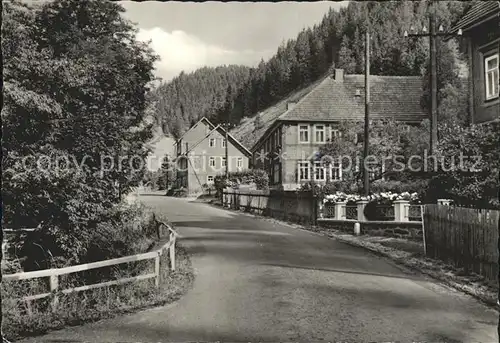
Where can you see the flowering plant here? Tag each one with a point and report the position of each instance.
(379, 197)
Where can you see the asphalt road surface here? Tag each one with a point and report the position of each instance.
(261, 281)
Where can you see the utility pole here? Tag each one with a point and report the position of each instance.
(433, 80)
(227, 154)
(433, 111)
(366, 174)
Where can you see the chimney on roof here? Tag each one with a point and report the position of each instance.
(339, 75)
(290, 105)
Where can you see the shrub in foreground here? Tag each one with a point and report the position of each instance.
(125, 229)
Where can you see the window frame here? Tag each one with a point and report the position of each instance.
(308, 168)
(319, 166)
(208, 179)
(489, 57)
(335, 166)
(223, 143)
(210, 141)
(337, 135)
(316, 131)
(239, 162)
(308, 131)
(210, 159)
(223, 162)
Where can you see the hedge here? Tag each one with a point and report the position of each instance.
(252, 176)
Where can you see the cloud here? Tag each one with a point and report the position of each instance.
(180, 51)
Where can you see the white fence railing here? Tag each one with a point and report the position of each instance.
(54, 273)
(399, 211)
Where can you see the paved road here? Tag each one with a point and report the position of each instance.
(260, 281)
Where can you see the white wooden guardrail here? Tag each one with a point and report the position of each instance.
(54, 273)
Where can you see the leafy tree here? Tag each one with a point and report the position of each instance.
(468, 165)
(75, 83)
(346, 57)
(391, 143)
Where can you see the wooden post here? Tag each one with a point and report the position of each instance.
(433, 79)
(172, 253)
(157, 269)
(28, 307)
(423, 229)
(366, 149)
(54, 285)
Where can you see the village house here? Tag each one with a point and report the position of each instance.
(201, 155)
(287, 145)
(481, 26)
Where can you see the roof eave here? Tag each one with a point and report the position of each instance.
(469, 26)
(234, 140)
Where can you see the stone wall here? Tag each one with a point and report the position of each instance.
(284, 205)
(408, 230)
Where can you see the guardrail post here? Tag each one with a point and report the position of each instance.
(172, 253)
(157, 269)
(54, 285)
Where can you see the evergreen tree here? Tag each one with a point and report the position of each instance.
(346, 58)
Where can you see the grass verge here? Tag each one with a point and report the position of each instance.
(20, 321)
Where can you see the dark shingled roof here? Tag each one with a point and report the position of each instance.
(248, 134)
(391, 97)
(396, 97)
(479, 11)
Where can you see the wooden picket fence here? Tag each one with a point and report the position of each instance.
(464, 237)
(55, 273)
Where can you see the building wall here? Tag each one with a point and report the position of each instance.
(485, 39)
(291, 152)
(297, 152)
(267, 156)
(198, 162)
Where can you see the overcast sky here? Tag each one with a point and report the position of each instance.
(189, 35)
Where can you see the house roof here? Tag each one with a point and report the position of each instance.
(248, 133)
(222, 131)
(477, 13)
(395, 97)
(204, 119)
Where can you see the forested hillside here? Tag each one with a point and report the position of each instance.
(188, 97)
(232, 93)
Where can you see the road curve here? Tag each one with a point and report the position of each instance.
(261, 281)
